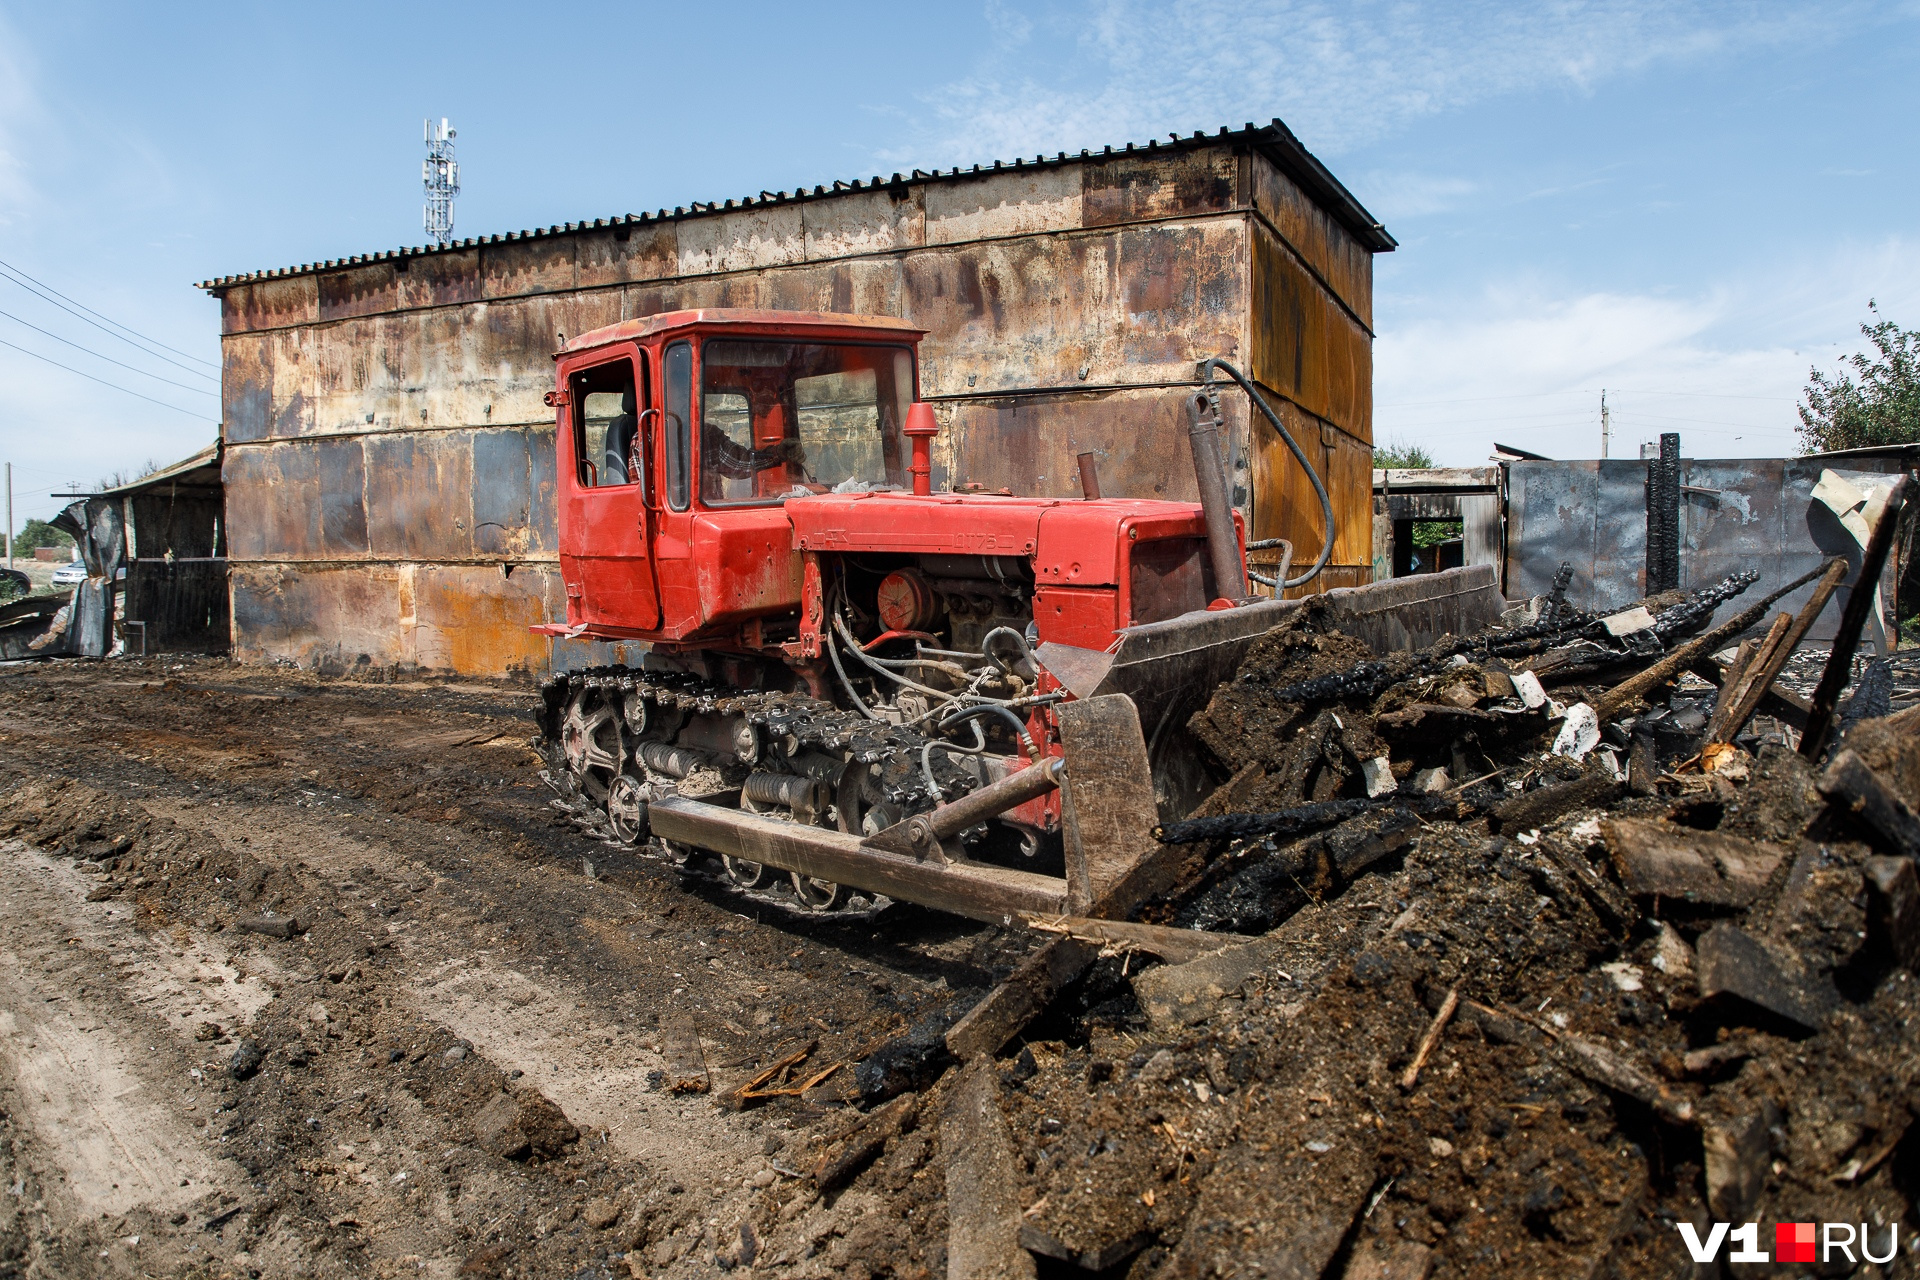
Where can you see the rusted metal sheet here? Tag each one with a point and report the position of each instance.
(387, 413)
(1030, 444)
(1129, 189)
(182, 604)
(417, 495)
(301, 501)
(1329, 250)
(1735, 513)
(342, 618)
(1284, 502)
(1305, 345)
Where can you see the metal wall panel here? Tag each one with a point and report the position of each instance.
(1328, 249)
(469, 618)
(1030, 444)
(1735, 514)
(1305, 345)
(1137, 188)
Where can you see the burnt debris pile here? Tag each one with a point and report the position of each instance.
(1510, 955)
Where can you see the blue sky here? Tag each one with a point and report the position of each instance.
(1687, 205)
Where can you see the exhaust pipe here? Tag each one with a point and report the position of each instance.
(1210, 470)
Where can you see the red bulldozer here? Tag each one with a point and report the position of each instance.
(853, 684)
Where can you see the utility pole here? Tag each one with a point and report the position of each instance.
(1606, 425)
(9, 515)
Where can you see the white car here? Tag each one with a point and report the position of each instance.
(70, 574)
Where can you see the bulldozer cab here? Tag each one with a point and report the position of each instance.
(680, 436)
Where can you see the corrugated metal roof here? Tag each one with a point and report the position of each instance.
(207, 457)
(1274, 140)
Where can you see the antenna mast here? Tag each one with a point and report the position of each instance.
(440, 173)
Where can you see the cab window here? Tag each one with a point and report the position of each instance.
(782, 419)
(676, 375)
(606, 425)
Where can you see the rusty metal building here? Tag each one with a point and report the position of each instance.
(388, 463)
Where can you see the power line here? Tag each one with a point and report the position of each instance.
(53, 295)
(201, 391)
(103, 382)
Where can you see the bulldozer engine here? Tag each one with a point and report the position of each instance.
(854, 687)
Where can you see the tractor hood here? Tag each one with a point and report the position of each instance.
(1069, 542)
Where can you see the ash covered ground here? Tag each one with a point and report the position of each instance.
(462, 1058)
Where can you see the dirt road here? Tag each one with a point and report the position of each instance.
(186, 1095)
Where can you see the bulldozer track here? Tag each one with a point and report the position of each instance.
(871, 773)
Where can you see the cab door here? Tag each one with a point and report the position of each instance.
(610, 420)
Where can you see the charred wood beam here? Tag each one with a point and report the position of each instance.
(1663, 516)
(1744, 696)
(1853, 786)
(1783, 704)
(1626, 693)
(1367, 679)
(1539, 807)
(1813, 739)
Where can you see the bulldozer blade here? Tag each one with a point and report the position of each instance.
(1171, 668)
(1108, 810)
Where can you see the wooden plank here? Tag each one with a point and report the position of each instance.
(975, 890)
(1003, 1011)
(1839, 669)
(983, 1209)
(1758, 663)
(1743, 698)
(1107, 798)
(1657, 859)
(1782, 704)
(686, 1063)
(1175, 946)
(846, 1157)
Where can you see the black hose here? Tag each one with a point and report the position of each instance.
(1207, 367)
(1013, 721)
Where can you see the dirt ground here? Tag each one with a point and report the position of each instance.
(306, 977)
(461, 943)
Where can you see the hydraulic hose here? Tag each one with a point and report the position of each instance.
(1013, 721)
(1207, 367)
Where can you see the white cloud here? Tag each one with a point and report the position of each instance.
(1393, 194)
(1340, 74)
(1523, 365)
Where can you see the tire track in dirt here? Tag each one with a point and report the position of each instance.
(96, 1036)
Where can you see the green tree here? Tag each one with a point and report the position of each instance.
(1403, 456)
(1400, 455)
(1877, 402)
(38, 533)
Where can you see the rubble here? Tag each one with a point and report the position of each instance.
(1519, 1012)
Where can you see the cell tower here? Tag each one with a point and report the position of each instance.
(440, 172)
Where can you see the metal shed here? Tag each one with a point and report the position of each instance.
(388, 465)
